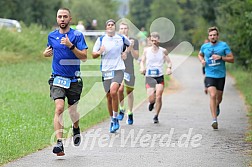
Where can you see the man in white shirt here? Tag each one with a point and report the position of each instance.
(152, 62)
(110, 48)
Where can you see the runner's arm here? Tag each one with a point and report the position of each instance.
(168, 61)
(48, 52)
(142, 63)
(228, 58)
(81, 54)
(133, 49)
(201, 58)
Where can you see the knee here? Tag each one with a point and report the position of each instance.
(120, 90)
(158, 97)
(213, 96)
(59, 110)
(113, 93)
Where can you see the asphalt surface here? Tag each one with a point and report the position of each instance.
(184, 136)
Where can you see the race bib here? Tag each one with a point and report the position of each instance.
(108, 75)
(127, 76)
(212, 62)
(62, 82)
(153, 72)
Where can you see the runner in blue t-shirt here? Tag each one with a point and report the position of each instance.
(213, 56)
(67, 47)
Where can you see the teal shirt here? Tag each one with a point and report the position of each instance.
(215, 68)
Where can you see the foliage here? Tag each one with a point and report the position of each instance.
(140, 12)
(235, 25)
(88, 10)
(188, 17)
(30, 11)
(173, 14)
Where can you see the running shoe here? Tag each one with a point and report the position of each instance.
(151, 106)
(155, 119)
(111, 128)
(76, 136)
(121, 115)
(116, 125)
(218, 110)
(58, 149)
(130, 119)
(215, 125)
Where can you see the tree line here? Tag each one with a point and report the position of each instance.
(190, 17)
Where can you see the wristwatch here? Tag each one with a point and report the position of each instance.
(72, 47)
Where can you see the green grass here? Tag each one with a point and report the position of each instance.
(243, 83)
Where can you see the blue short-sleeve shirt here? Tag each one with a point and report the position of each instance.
(64, 62)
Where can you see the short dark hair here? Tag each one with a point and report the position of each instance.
(66, 10)
(214, 28)
(110, 20)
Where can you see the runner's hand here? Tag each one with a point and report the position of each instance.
(168, 71)
(48, 52)
(143, 71)
(124, 55)
(65, 41)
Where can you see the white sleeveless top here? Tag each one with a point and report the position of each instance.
(154, 62)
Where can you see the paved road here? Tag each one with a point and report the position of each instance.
(184, 136)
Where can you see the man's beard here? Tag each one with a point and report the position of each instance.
(214, 41)
(63, 27)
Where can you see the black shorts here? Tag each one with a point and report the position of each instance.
(219, 83)
(73, 93)
(150, 82)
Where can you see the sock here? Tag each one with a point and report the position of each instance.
(215, 120)
(114, 114)
(130, 112)
(111, 117)
(122, 108)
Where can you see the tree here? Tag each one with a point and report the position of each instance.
(140, 12)
(88, 10)
(30, 11)
(169, 10)
(235, 27)
(188, 17)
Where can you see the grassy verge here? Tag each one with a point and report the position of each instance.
(243, 83)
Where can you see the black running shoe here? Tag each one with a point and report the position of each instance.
(218, 110)
(151, 106)
(215, 125)
(130, 119)
(76, 136)
(58, 149)
(155, 119)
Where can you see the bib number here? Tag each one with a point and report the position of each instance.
(108, 75)
(127, 76)
(212, 62)
(62, 82)
(153, 72)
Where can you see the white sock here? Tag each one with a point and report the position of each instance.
(114, 114)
